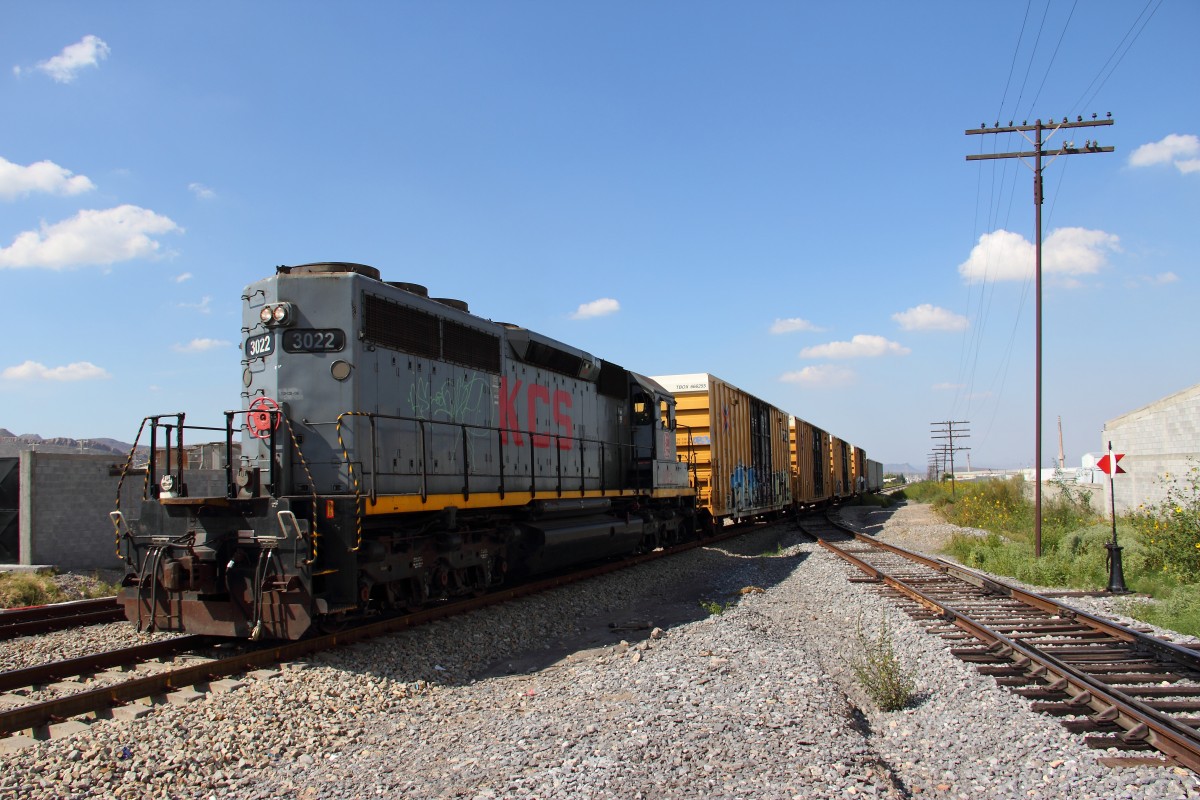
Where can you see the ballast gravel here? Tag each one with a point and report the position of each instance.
(629, 686)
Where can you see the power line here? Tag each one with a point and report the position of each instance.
(1054, 55)
(1117, 49)
(1091, 146)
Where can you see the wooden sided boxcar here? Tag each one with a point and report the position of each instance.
(810, 460)
(840, 471)
(735, 445)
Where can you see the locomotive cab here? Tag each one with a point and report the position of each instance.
(652, 418)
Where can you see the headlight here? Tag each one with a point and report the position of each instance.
(277, 314)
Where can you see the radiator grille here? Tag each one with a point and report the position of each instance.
(400, 327)
(422, 334)
(470, 347)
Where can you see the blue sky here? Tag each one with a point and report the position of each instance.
(775, 193)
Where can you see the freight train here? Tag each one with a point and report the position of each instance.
(393, 449)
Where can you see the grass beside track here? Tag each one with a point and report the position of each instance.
(1158, 543)
(38, 588)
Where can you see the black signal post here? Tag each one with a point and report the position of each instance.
(1039, 151)
(1116, 573)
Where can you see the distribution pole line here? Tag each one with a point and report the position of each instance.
(1067, 149)
(947, 430)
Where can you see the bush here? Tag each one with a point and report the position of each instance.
(998, 506)
(1176, 608)
(1169, 532)
(28, 589)
(880, 500)
(879, 670)
(1160, 544)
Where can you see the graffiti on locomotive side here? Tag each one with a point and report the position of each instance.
(461, 402)
(536, 397)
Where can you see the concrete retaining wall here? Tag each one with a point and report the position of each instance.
(65, 500)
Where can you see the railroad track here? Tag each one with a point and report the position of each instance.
(35, 720)
(1121, 688)
(32, 620)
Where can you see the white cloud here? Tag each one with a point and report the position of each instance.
(201, 191)
(823, 376)
(1161, 279)
(1006, 256)
(926, 317)
(597, 308)
(44, 176)
(204, 306)
(200, 345)
(941, 387)
(1181, 150)
(90, 237)
(183, 277)
(33, 371)
(861, 346)
(87, 52)
(791, 325)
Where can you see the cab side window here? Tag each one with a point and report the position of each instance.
(643, 411)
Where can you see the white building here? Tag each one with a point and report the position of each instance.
(1158, 440)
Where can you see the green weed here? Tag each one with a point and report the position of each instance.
(713, 607)
(879, 671)
(28, 589)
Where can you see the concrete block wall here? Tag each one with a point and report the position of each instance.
(65, 501)
(1159, 440)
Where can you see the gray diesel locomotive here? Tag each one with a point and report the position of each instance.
(396, 449)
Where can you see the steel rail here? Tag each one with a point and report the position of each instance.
(86, 665)
(30, 620)
(95, 701)
(1169, 650)
(1142, 723)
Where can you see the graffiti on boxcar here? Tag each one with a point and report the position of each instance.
(746, 488)
(742, 485)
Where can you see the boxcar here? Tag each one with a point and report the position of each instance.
(858, 469)
(735, 445)
(840, 470)
(810, 464)
(874, 476)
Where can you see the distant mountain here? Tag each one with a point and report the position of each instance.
(12, 443)
(902, 469)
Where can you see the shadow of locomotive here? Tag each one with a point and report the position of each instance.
(702, 582)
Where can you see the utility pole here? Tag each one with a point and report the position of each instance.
(1062, 457)
(945, 430)
(1067, 149)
